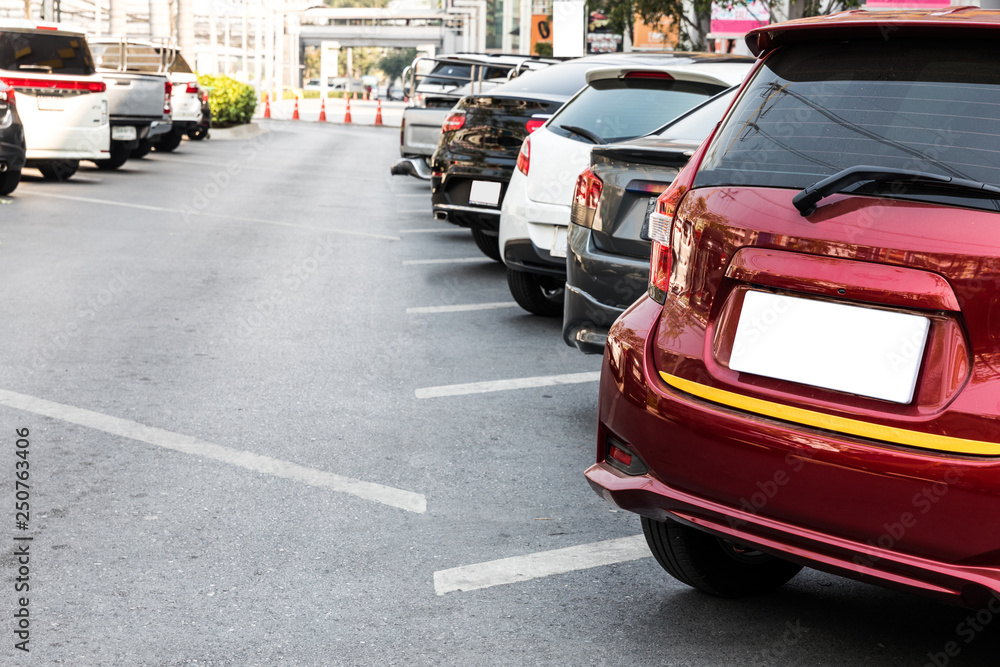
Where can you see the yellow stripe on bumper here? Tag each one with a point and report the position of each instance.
(827, 422)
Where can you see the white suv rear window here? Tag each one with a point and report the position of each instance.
(44, 52)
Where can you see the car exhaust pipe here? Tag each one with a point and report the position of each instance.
(440, 215)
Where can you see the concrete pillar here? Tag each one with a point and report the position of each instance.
(159, 19)
(185, 29)
(506, 25)
(118, 17)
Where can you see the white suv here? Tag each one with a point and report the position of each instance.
(185, 98)
(61, 100)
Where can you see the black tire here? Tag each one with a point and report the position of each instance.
(59, 170)
(142, 150)
(713, 565)
(119, 156)
(537, 294)
(198, 134)
(488, 244)
(169, 142)
(9, 180)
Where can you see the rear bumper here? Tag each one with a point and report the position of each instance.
(412, 166)
(599, 287)
(906, 519)
(524, 219)
(450, 198)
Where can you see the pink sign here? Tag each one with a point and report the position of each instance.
(736, 20)
(909, 4)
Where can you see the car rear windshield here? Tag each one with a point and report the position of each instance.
(44, 52)
(814, 110)
(458, 74)
(698, 122)
(562, 80)
(618, 109)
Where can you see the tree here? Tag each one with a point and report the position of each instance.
(395, 61)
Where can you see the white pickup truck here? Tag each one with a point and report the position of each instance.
(435, 85)
(138, 94)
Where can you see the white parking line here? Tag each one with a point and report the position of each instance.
(424, 310)
(108, 202)
(433, 231)
(538, 565)
(458, 260)
(387, 495)
(504, 385)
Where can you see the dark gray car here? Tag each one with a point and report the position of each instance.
(607, 263)
(11, 141)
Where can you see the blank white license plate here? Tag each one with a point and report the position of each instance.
(864, 351)
(49, 103)
(485, 193)
(123, 133)
(558, 242)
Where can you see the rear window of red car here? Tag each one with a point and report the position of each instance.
(45, 52)
(813, 110)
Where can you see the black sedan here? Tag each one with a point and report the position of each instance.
(607, 264)
(11, 141)
(479, 144)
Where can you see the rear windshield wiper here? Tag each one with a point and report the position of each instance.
(582, 132)
(806, 200)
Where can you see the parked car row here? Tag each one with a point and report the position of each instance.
(791, 268)
(60, 104)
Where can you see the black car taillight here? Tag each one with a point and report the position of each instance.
(524, 157)
(585, 198)
(454, 122)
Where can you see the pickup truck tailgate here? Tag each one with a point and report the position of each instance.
(421, 130)
(133, 95)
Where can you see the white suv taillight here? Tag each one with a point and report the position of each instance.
(167, 90)
(192, 87)
(524, 157)
(585, 198)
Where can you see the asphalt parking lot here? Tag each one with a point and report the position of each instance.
(278, 415)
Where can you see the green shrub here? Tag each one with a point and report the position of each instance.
(232, 102)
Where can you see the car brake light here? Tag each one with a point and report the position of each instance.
(168, 88)
(89, 86)
(585, 198)
(454, 122)
(192, 87)
(7, 94)
(661, 223)
(648, 75)
(524, 157)
(534, 124)
(621, 457)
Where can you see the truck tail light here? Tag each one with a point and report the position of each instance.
(524, 157)
(585, 198)
(454, 122)
(87, 86)
(168, 88)
(661, 223)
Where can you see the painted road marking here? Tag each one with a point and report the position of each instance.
(108, 202)
(387, 495)
(460, 308)
(457, 260)
(541, 564)
(504, 385)
(433, 231)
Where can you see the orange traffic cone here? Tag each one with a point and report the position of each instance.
(322, 109)
(267, 106)
(355, 96)
(347, 115)
(295, 112)
(378, 113)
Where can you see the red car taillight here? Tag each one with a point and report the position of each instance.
(524, 157)
(89, 86)
(534, 124)
(7, 94)
(192, 87)
(661, 223)
(167, 90)
(585, 198)
(454, 122)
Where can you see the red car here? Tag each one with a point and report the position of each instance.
(814, 375)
